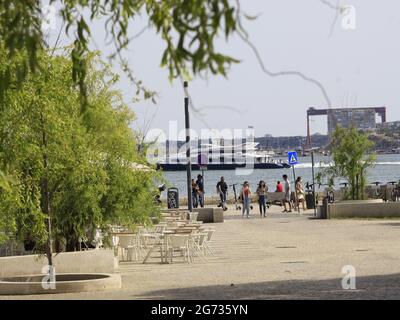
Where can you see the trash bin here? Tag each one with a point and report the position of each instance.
(324, 208)
(310, 200)
(173, 198)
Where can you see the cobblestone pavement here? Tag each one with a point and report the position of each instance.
(284, 256)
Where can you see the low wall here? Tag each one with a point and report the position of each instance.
(208, 201)
(215, 199)
(206, 215)
(210, 215)
(91, 261)
(364, 209)
(272, 197)
(65, 283)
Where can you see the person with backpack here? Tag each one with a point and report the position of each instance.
(245, 196)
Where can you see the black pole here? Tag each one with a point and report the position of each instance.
(313, 181)
(295, 191)
(188, 158)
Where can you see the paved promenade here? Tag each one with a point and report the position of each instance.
(284, 256)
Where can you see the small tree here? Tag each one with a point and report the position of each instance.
(352, 156)
(64, 174)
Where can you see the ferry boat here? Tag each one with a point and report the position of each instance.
(218, 156)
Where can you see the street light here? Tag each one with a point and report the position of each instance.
(313, 178)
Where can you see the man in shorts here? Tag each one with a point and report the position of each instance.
(288, 192)
(222, 189)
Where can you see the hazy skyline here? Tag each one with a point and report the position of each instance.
(356, 67)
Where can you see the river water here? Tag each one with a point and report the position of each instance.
(387, 169)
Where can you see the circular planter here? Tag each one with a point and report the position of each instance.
(65, 283)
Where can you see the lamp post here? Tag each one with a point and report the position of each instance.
(313, 181)
(188, 158)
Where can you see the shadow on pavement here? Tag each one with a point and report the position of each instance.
(392, 224)
(254, 214)
(369, 287)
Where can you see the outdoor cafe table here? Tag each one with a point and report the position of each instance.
(161, 242)
(117, 235)
(172, 219)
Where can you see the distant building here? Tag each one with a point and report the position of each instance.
(394, 125)
(360, 118)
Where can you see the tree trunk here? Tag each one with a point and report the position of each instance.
(362, 183)
(46, 195)
(357, 186)
(353, 195)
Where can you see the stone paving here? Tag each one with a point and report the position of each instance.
(284, 256)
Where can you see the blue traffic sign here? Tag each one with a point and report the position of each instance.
(292, 158)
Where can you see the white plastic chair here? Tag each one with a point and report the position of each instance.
(125, 243)
(183, 215)
(198, 241)
(98, 239)
(115, 240)
(206, 246)
(180, 243)
(148, 237)
(160, 229)
(193, 216)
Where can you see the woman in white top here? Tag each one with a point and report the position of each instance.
(300, 194)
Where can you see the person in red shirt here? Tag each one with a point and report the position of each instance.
(279, 187)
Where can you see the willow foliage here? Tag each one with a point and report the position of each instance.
(188, 29)
(88, 174)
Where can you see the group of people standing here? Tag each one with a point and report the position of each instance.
(246, 195)
(299, 194)
(261, 192)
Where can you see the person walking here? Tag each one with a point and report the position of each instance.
(261, 191)
(200, 191)
(288, 193)
(300, 194)
(195, 194)
(222, 189)
(245, 195)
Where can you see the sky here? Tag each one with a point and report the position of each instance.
(354, 57)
